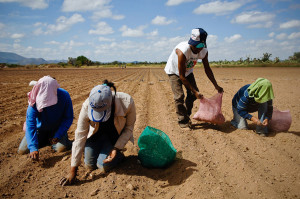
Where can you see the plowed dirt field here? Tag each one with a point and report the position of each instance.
(213, 161)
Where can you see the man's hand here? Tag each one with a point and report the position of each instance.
(256, 121)
(198, 95)
(34, 155)
(219, 89)
(111, 156)
(70, 179)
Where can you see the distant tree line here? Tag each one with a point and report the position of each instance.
(83, 61)
(265, 59)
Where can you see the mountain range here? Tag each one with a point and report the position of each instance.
(13, 58)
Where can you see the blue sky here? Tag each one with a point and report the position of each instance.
(148, 30)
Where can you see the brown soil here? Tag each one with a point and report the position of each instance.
(212, 161)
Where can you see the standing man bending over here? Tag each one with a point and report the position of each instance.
(180, 71)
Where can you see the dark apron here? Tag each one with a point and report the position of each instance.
(107, 128)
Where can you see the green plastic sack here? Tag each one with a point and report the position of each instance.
(156, 148)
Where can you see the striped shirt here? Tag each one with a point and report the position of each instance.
(245, 104)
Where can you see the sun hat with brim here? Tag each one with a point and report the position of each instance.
(261, 90)
(100, 101)
(198, 38)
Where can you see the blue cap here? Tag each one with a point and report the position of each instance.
(198, 38)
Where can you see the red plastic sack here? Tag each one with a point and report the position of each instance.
(281, 121)
(210, 110)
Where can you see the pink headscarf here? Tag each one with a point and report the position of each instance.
(44, 93)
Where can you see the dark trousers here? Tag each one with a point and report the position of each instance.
(183, 107)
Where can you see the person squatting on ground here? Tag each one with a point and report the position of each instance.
(105, 125)
(180, 71)
(257, 96)
(48, 118)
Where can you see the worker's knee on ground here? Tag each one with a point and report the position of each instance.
(102, 168)
(60, 148)
(90, 167)
(22, 152)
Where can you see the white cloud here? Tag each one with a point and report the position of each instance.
(272, 34)
(153, 33)
(37, 24)
(73, 43)
(128, 49)
(281, 36)
(233, 38)
(267, 24)
(52, 43)
(105, 39)
(101, 8)
(218, 7)
(167, 44)
(62, 24)
(33, 4)
(106, 13)
(69, 45)
(290, 24)
(28, 49)
(83, 5)
(212, 40)
(38, 31)
(128, 32)
(161, 20)
(255, 18)
(17, 36)
(102, 28)
(294, 35)
(177, 2)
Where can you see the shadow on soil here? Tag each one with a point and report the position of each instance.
(226, 127)
(175, 174)
(52, 158)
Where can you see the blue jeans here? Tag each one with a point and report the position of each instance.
(63, 144)
(97, 149)
(241, 123)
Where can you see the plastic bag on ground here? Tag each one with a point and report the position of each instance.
(210, 110)
(156, 148)
(281, 121)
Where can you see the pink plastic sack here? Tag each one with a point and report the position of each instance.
(210, 110)
(281, 121)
